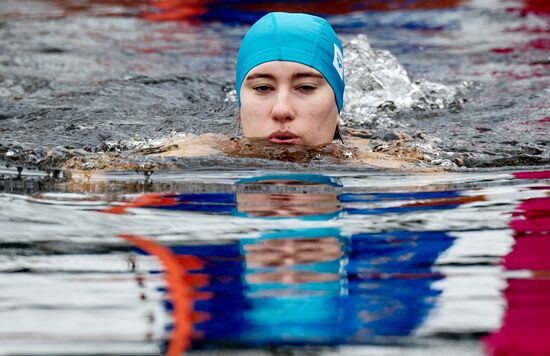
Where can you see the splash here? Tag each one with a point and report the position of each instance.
(378, 87)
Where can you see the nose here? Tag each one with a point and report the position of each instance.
(283, 109)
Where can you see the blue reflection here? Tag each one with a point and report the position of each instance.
(312, 286)
(262, 196)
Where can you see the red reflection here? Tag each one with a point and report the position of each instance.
(526, 326)
(544, 120)
(181, 290)
(532, 175)
(334, 7)
(539, 44)
(170, 10)
(448, 201)
(537, 73)
(186, 10)
(538, 7)
(145, 200)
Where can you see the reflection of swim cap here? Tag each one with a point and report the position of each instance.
(295, 178)
(301, 38)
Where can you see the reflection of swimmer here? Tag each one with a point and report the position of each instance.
(288, 195)
(306, 286)
(305, 196)
(275, 256)
(314, 285)
(295, 285)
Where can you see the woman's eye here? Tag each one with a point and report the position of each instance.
(306, 88)
(262, 89)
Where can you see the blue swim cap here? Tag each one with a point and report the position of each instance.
(301, 38)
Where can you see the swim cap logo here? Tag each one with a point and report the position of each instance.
(338, 61)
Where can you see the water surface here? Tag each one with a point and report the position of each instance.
(333, 264)
(244, 254)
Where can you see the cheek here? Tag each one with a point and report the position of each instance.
(323, 112)
(322, 105)
(253, 115)
(322, 118)
(247, 109)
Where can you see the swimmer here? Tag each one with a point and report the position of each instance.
(290, 92)
(290, 80)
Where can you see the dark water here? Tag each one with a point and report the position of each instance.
(94, 76)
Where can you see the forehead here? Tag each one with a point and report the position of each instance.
(284, 69)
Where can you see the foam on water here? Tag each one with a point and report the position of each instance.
(378, 87)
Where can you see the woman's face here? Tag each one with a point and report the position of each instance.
(288, 103)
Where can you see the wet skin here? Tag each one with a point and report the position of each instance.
(288, 103)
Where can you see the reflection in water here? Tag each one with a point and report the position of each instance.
(526, 325)
(288, 196)
(322, 264)
(309, 286)
(306, 196)
(250, 11)
(238, 10)
(294, 286)
(299, 286)
(180, 293)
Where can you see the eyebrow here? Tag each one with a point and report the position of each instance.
(297, 75)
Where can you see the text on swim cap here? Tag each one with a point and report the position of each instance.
(338, 61)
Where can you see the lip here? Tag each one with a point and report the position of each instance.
(284, 137)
